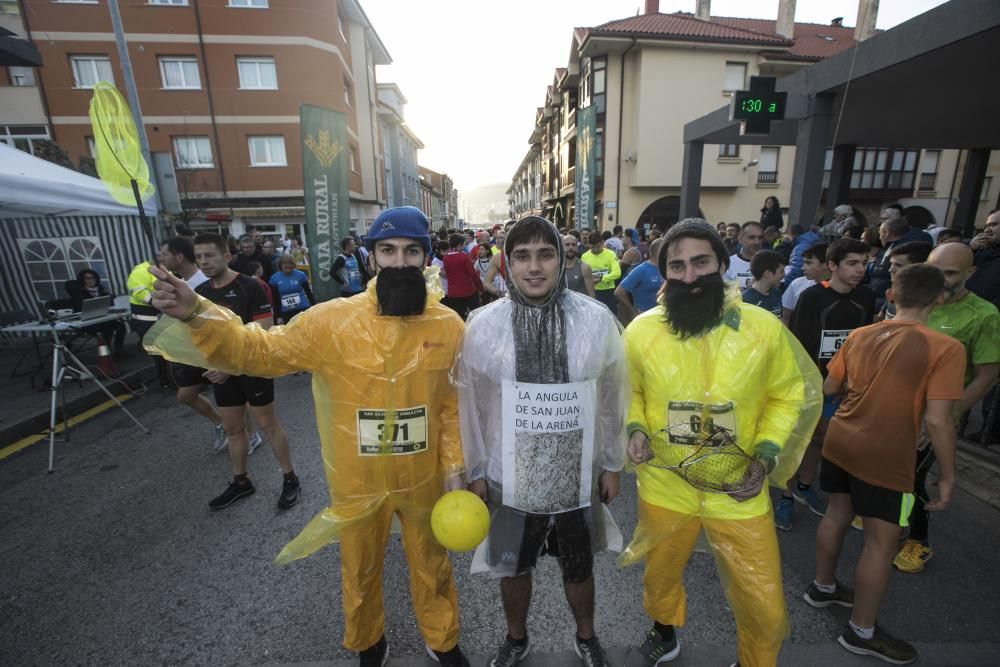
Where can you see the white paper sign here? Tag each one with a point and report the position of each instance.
(744, 279)
(830, 342)
(548, 445)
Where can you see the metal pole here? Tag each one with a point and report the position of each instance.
(131, 92)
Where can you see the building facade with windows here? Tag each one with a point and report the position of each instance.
(649, 74)
(439, 198)
(399, 148)
(220, 84)
(23, 120)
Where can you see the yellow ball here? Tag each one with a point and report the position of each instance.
(460, 520)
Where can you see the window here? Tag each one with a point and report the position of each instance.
(88, 70)
(883, 169)
(599, 82)
(354, 160)
(257, 73)
(341, 24)
(193, 153)
(928, 171)
(736, 77)
(267, 151)
(599, 154)
(176, 3)
(253, 4)
(21, 76)
(23, 137)
(77, 2)
(767, 165)
(987, 186)
(179, 72)
(729, 151)
(53, 261)
(347, 92)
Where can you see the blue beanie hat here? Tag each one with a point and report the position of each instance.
(402, 222)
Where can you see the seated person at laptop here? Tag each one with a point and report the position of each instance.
(88, 286)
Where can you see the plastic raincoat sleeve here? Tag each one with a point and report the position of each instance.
(792, 407)
(216, 338)
(472, 387)
(636, 419)
(450, 454)
(612, 402)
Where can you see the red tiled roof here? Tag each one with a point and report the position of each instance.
(686, 26)
(812, 41)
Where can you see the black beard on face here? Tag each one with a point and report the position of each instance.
(401, 291)
(690, 313)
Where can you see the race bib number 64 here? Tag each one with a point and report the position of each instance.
(407, 435)
(830, 342)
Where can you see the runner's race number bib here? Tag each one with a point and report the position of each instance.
(291, 301)
(830, 341)
(407, 435)
(689, 422)
(744, 280)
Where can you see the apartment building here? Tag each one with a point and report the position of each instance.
(23, 120)
(220, 84)
(439, 198)
(650, 74)
(399, 148)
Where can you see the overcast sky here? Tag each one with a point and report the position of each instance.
(474, 71)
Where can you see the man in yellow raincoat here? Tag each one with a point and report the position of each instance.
(387, 418)
(704, 356)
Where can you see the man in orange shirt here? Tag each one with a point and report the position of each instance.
(902, 369)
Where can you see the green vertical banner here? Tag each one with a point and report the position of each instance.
(328, 205)
(586, 165)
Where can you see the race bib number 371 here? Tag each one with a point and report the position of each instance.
(406, 435)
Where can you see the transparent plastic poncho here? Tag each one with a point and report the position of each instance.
(386, 410)
(554, 478)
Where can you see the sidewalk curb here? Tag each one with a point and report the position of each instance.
(39, 422)
(977, 472)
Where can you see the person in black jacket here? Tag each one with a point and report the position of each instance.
(88, 286)
(249, 252)
(770, 215)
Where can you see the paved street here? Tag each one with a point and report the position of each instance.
(116, 559)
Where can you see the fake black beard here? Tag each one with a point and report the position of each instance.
(401, 291)
(690, 313)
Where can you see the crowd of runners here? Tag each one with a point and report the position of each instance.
(845, 365)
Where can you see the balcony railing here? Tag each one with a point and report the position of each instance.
(767, 177)
(927, 182)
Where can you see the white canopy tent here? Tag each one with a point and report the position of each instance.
(32, 187)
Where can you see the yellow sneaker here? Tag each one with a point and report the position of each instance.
(856, 523)
(912, 557)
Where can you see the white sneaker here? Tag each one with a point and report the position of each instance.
(254, 441)
(221, 440)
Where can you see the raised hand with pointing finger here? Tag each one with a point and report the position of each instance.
(172, 296)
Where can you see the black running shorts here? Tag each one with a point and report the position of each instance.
(187, 376)
(565, 536)
(867, 500)
(242, 389)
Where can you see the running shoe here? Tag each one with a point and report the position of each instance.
(654, 650)
(452, 658)
(590, 652)
(810, 499)
(882, 645)
(253, 442)
(857, 523)
(289, 493)
(843, 596)
(233, 492)
(783, 514)
(376, 655)
(509, 653)
(221, 440)
(912, 557)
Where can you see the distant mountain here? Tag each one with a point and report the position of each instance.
(483, 205)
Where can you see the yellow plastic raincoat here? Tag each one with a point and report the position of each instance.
(756, 380)
(388, 426)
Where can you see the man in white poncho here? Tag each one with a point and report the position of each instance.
(542, 404)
